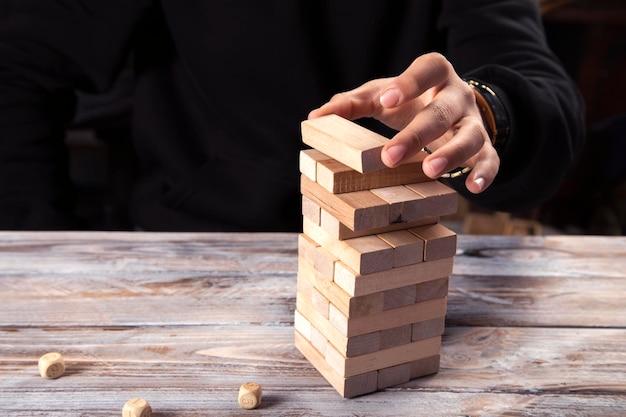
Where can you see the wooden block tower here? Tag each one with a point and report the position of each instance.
(373, 261)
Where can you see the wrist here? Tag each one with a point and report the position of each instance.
(493, 112)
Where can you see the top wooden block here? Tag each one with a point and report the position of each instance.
(347, 142)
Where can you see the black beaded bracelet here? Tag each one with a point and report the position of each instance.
(494, 113)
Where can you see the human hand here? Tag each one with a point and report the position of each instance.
(430, 106)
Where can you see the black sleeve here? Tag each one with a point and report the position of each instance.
(48, 50)
(502, 44)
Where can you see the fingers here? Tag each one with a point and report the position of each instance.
(425, 72)
(353, 104)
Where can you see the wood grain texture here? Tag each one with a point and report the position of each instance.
(536, 326)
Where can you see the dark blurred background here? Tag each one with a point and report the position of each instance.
(589, 36)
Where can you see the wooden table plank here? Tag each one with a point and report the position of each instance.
(535, 326)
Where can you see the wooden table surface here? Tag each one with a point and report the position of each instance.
(535, 326)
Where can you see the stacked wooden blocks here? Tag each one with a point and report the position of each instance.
(373, 263)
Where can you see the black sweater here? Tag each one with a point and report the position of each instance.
(221, 88)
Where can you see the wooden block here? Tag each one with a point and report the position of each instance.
(365, 254)
(51, 365)
(250, 395)
(320, 303)
(425, 366)
(339, 178)
(441, 200)
(346, 387)
(359, 210)
(365, 305)
(334, 336)
(439, 241)
(319, 341)
(338, 297)
(401, 316)
(409, 352)
(405, 205)
(310, 210)
(399, 297)
(343, 140)
(407, 248)
(356, 284)
(338, 320)
(137, 407)
(432, 289)
(306, 248)
(394, 375)
(340, 231)
(308, 162)
(362, 344)
(396, 336)
(302, 325)
(428, 328)
(324, 262)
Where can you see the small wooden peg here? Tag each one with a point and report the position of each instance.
(137, 407)
(250, 395)
(51, 365)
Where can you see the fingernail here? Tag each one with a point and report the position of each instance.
(480, 183)
(390, 98)
(438, 166)
(395, 154)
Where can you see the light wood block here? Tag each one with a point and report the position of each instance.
(356, 284)
(362, 344)
(401, 316)
(324, 262)
(405, 205)
(407, 248)
(399, 297)
(439, 241)
(346, 387)
(337, 296)
(308, 162)
(394, 375)
(425, 366)
(359, 210)
(310, 210)
(318, 340)
(347, 367)
(432, 289)
(343, 140)
(340, 231)
(365, 305)
(250, 395)
(334, 336)
(428, 328)
(137, 407)
(321, 303)
(302, 325)
(365, 254)
(51, 365)
(396, 336)
(441, 200)
(306, 248)
(339, 178)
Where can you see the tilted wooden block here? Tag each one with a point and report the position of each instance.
(51, 365)
(339, 178)
(137, 407)
(250, 395)
(343, 140)
(356, 284)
